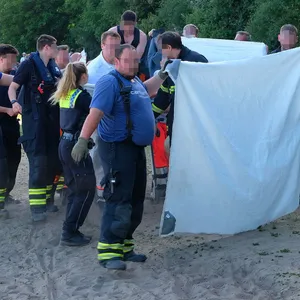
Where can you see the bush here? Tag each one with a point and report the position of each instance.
(269, 16)
(221, 18)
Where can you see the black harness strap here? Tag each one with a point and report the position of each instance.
(125, 94)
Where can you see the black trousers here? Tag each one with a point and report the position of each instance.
(124, 163)
(10, 156)
(42, 171)
(81, 181)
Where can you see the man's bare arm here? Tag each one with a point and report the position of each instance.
(6, 79)
(91, 123)
(12, 95)
(12, 91)
(4, 109)
(142, 45)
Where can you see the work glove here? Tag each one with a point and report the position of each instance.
(162, 73)
(80, 150)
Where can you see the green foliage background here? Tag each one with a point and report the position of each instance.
(79, 23)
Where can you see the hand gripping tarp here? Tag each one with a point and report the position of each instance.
(235, 155)
(225, 50)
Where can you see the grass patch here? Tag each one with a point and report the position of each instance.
(285, 251)
(275, 234)
(264, 253)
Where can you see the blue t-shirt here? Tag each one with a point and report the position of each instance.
(112, 127)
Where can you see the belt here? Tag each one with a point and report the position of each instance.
(69, 136)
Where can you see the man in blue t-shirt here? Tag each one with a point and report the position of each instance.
(126, 126)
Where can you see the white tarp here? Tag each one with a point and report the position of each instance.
(225, 50)
(235, 155)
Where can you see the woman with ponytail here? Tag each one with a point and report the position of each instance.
(74, 103)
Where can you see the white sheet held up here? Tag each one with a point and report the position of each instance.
(235, 155)
(225, 50)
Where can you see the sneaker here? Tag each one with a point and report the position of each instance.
(51, 207)
(10, 200)
(38, 217)
(113, 264)
(77, 240)
(134, 257)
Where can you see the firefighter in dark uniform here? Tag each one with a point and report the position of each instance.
(122, 105)
(80, 178)
(10, 151)
(40, 122)
(172, 48)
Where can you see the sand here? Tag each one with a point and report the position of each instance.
(262, 264)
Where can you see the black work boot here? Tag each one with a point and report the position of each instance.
(38, 216)
(74, 240)
(51, 207)
(10, 200)
(38, 213)
(3, 212)
(113, 264)
(134, 257)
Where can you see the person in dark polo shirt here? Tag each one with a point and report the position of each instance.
(10, 155)
(121, 106)
(172, 48)
(288, 38)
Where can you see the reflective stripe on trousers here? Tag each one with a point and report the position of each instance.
(37, 197)
(110, 251)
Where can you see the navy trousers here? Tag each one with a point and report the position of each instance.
(124, 163)
(81, 181)
(10, 156)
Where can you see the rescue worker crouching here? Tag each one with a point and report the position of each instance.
(122, 107)
(37, 77)
(80, 178)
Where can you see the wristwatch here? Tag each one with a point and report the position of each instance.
(13, 102)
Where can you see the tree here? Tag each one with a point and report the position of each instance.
(24, 20)
(221, 18)
(268, 18)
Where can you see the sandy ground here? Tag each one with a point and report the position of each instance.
(262, 264)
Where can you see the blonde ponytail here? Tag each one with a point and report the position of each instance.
(69, 81)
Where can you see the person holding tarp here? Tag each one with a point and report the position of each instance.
(172, 48)
(190, 31)
(243, 36)
(121, 108)
(288, 38)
